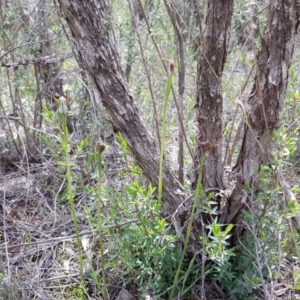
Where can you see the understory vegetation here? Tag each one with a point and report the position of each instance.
(78, 218)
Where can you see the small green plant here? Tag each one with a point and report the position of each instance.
(296, 277)
(145, 247)
(63, 110)
(266, 238)
(199, 192)
(216, 245)
(99, 149)
(60, 149)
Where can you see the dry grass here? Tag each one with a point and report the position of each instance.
(38, 245)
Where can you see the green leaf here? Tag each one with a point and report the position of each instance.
(61, 163)
(296, 277)
(215, 229)
(228, 228)
(66, 64)
(90, 158)
(132, 190)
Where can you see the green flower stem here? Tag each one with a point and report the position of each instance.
(189, 228)
(99, 223)
(163, 135)
(70, 194)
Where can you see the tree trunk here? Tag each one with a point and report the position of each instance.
(94, 40)
(95, 43)
(263, 109)
(209, 94)
(179, 28)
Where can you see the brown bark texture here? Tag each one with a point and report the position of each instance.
(179, 28)
(90, 25)
(263, 108)
(93, 37)
(209, 94)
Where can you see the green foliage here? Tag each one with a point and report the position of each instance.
(216, 247)
(296, 277)
(145, 248)
(140, 246)
(75, 292)
(100, 206)
(267, 239)
(285, 142)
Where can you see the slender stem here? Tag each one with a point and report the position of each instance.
(71, 196)
(163, 135)
(99, 224)
(189, 228)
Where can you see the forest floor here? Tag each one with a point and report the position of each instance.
(38, 242)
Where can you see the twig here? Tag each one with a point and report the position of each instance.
(65, 238)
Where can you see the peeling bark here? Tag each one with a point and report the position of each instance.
(179, 29)
(262, 111)
(93, 37)
(97, 53)
(209, 95)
